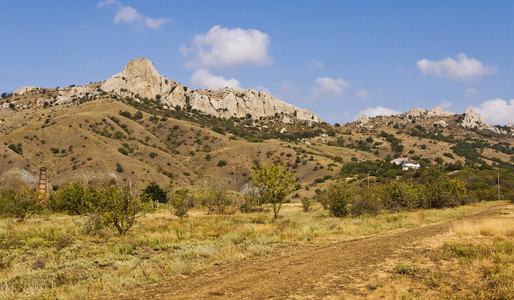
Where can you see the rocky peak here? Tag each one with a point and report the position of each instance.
(25, 89)
(472, 119)
(141, 78)
(475, 120)
(427, 113)
(141, 67)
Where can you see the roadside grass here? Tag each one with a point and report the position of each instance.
(56, 255)
(474, 260)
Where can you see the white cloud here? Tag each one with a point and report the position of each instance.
(461, 68)
(362, 94)
(203, 79)
(128, 14)
(223, 47)
(326, 86)
(496, 111)
(378, 111)
(470, 91)
(314, 64)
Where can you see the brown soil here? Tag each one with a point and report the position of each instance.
(338, 270)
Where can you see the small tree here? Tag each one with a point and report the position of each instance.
(274, 183)
(179, 201)
(217, 199)
(155, 193)
(121, 206)
(336, 199)
(75, 199)
(19, 205)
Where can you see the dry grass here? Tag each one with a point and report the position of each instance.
(52, 256)
(473, 260)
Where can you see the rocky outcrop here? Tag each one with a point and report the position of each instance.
(141, 79)
(25, 89)
(67, 95)
(440, 123)
(363, 120)
(475, 120)
(427, 113)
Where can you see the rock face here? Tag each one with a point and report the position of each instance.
(427, 113)
(25, 89)
(141, 79)
(363, 121)
(475, 120)
(440, 123)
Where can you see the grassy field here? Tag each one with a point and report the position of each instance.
(473, 260)
(57, 255)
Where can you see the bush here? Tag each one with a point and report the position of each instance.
(222, 163)
(154, 192)
(19, 205)
(16, 148)
(248, 203)
(306, 204)
(217, 200)
(123, 151)
(121, 206)
(336, 199)
(138, 115)
(75, 199)
(397, 194)
(180, 202)
(445, 193)
(366, 204)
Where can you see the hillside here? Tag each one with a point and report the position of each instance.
(139, 125)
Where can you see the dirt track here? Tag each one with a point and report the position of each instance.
(337, 270)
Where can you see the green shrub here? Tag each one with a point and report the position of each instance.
(19, 205)
(222, 163)
(366, 204)
(397, 194)
(180, 202)
(154, 192)
(120, 206)
(216, 199)
(75, 199)
(336, 199)
(404, 267)
(306, 204)
(123, 151)
(445, 193)
(16, 148)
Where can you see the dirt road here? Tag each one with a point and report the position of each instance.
(334, 271)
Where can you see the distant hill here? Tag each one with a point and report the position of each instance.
(138, 125)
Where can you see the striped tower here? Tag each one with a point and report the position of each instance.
(42, 185)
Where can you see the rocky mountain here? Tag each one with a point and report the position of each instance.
(140, 80)
(470, 119)
(139, 125)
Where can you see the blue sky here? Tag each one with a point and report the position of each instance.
(336, 58)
